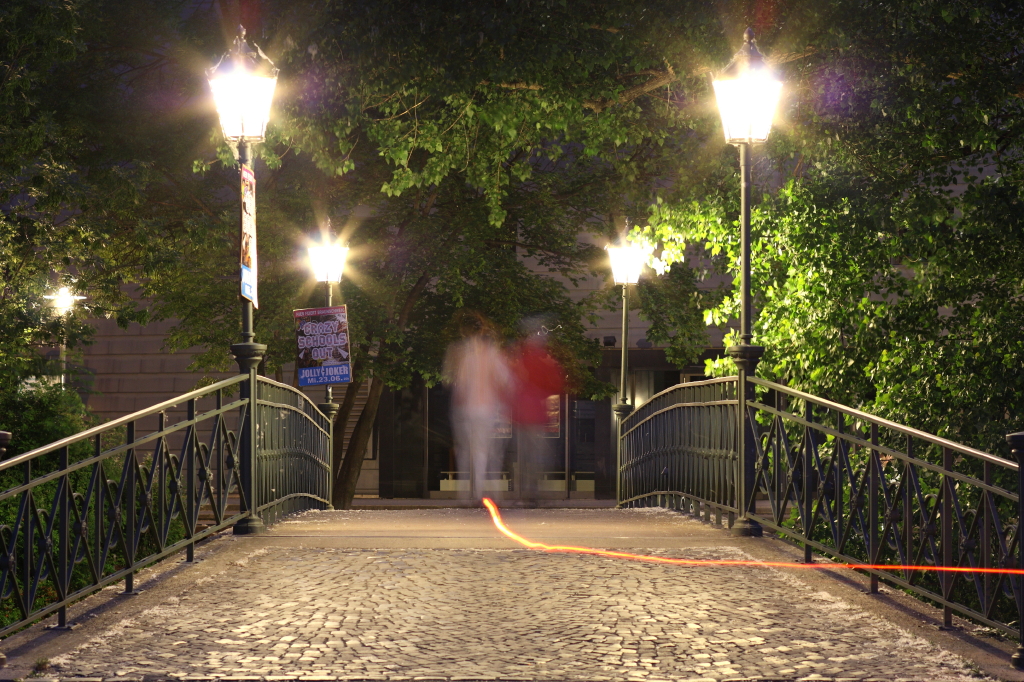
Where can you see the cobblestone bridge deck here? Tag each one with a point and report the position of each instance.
(439, 594)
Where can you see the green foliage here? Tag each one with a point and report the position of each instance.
(674, 305)
(41, 414)
(886, 250)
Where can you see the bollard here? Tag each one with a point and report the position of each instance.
(1016, 441)
(5, 440)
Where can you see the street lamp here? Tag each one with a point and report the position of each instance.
(63, 303)
(748, 93)
(327, 261)
(243, 83)
(627, 262)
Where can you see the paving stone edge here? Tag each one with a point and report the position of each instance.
(397, 678)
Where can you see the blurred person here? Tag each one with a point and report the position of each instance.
(537, 377)
(478, 374)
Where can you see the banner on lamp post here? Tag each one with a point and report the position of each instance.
(247, 241)
(322, 338)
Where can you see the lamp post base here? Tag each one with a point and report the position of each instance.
(250, 525)
(746, 356)
(248, 355)
(622, 410)
(746, 528)
(330, 410)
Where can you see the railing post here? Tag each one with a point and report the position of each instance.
(840, 490)
(4, 441)
(190, 480)
(65, 537)
(129, 514)
(873, 483)
(986, 537)
(331, 411)
(622, 410)
(807, 492)
(948, 488)
(746, 358)
(252, 524)
(1016, 441)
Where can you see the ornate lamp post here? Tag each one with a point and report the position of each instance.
(327, 261)
(748, 93)
(63, 303)
(243, 83)
(627, 262)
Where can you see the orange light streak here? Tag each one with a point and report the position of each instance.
(568, 549)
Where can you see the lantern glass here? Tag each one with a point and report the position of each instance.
(243, 100)
(747, 104)
(627, 263)
(327, 261)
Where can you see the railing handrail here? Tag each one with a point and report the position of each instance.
(687, 384)
(303, 396)
(880, 421)
(120, 421)
(675, 406)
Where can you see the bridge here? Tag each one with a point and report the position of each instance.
(776, 536)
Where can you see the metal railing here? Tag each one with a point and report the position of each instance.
(293, 452)
(840, 482)
(679, 449)
(90, 510)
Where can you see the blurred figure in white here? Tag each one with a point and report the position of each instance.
(477, 372)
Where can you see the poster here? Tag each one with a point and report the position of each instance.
(322, 338)
(553, 427)
(247, 242)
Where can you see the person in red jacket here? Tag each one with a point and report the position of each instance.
(536, 377)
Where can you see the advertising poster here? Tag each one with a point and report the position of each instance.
(553, 429)
(247, 254)
(322, 336)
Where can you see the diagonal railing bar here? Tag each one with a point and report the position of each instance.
(90, 510)
(840, 482)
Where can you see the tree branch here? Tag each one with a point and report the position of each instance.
(662, 79)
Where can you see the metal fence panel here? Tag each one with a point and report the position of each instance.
(91, 509)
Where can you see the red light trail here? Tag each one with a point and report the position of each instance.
(567, 549)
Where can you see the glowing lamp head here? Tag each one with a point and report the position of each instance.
(327, 261)
(243, 83)
(627, 263)
(748, 93)
(63, 300)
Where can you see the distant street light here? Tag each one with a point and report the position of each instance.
(243, 83)
(327, 261)
(63, 303)
(627, 263)
(748, 94)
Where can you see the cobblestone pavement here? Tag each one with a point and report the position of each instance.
(457, 613)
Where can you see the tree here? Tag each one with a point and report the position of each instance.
(45, 239)
(483, 133)
(453, 142)
(888, 241)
